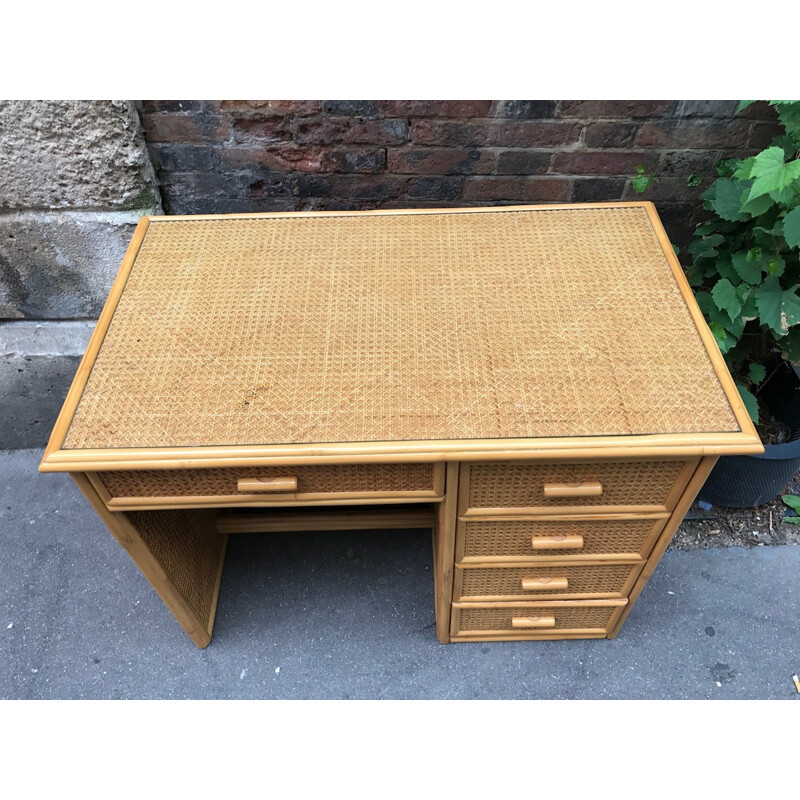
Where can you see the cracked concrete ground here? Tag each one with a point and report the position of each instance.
(350, 615)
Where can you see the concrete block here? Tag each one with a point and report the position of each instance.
(77, 154)
(60, 265)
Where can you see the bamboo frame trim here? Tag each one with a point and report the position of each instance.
(56, 459)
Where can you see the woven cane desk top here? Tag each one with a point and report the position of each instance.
(297, 329)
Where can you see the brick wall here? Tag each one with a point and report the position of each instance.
(250, 155)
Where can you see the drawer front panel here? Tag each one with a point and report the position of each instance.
(554, 582)
(312, 483)
(531, 620)
(552, 485)
(499, 540)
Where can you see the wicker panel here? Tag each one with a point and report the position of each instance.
(494, 582)
(189, 549)
(521, 484)
(451, 325)
(310, 479)
(513, 538)
(567, 617)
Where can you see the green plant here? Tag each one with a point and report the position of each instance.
(745, 267)
(793, 501)
(642, 180)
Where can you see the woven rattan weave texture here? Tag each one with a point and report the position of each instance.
(513, 537)
(328, 478)
(506, 324)
(608, 578)
(624, 483)
(188, 548)
(499, 619)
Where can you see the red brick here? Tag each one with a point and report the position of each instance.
(669, 189)
(185, 128)
(272, 129)
(601, 162)
(435, 108)
(350, 130)
(352, 187)
(355, 159)
(439, 161)
(763, 133)
(614, 109)
(597, 190)
(760, 110)
(498, 133)
(523, 162)
(271, 108)
(554, 189)
(610, 134)
(287, 158)
(700, 135)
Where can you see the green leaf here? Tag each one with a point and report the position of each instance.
(771, 173)
(724, 340)
(792, 500)
(786, 143)
(777, 309)
(705, 247)
(743, 170)
(791, 227)
(784, 196)
(693, 181)
(745, 269)
(750, 402)
(757, 373)
(727, 200)
(775, 266)
(757, 206)
(743, 104)
(724, 296)
(791, 520)
(727, 166)
(641, 183)
(789, 115)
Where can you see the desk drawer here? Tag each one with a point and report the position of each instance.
(636, 485)
(552, 582)
(532, 621)
(291, 485)
(577, 539)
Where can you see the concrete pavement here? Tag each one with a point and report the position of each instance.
(350, 615)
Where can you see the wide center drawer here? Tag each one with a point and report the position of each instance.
(576, 538)
(323, 484)
(643, 485)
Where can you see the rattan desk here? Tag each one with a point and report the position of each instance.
(535, 383)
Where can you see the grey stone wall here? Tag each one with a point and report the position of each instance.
(75, 177)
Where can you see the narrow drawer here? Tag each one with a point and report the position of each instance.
(575, 538)
(554, 582)
(290, 485)
(540, 486)
(535, 620)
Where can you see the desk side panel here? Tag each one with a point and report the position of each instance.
(181, 554)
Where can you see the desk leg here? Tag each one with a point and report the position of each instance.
(444, 541)
(180, 553)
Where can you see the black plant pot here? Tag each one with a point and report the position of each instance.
(748, 481)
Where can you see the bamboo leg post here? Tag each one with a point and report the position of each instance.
(179, 552)
(444, 540)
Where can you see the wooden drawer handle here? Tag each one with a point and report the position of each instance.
(532, 584)
(565, 542)
(267, 484)
(533, 622)
(585, 489)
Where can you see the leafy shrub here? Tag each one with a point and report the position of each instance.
(746, 260)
